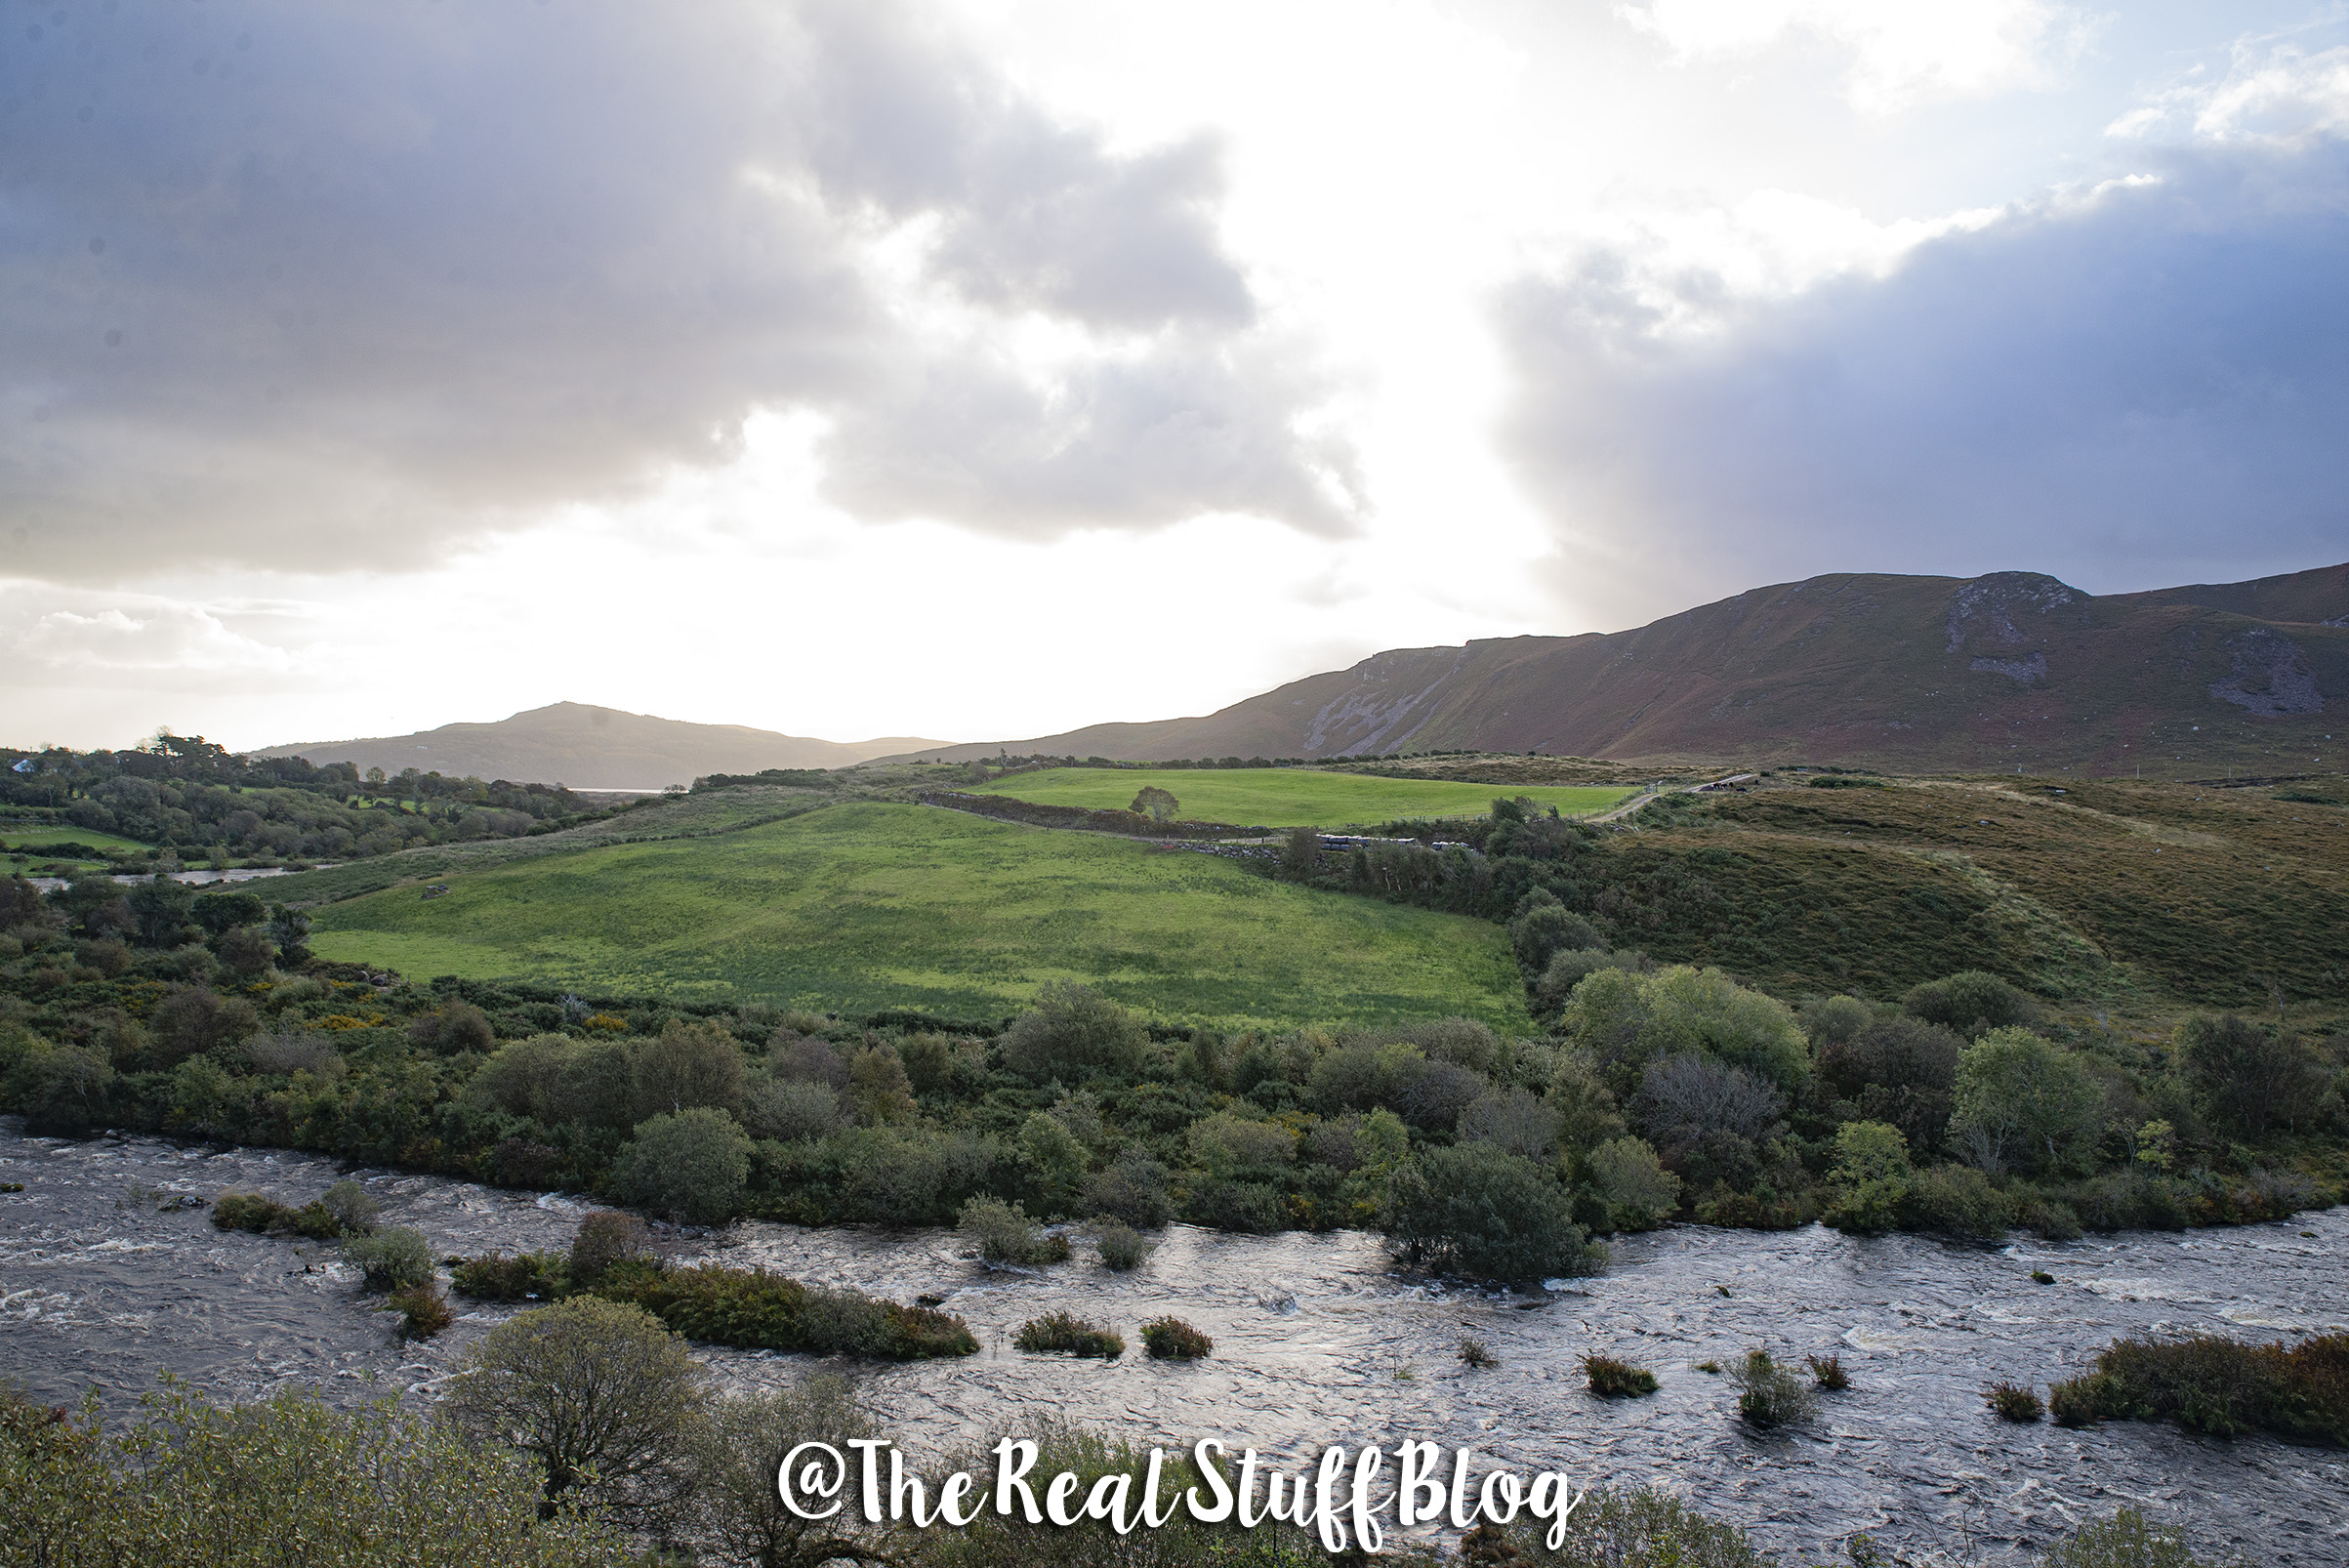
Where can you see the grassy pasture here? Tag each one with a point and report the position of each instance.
(867, 906)
(1290, 797)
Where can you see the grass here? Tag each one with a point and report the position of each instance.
(1613, 1379)
(869, 905)
(33, 840)
(1475, 1354)
(1290, 797)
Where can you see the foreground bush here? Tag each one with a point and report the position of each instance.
(1611, 1378)
(1171, 1339)
(2217, 1385)
(1639, 1527)
(289, 1480)
(735, 1514)
(2124, 1540)
(1122, 1247)
(1063, 1331)
(599, 1395)
(753, 1309)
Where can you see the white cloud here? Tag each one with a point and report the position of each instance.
(1902, 53)
(2275, 92)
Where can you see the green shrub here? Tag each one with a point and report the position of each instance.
(1957, 1201)
(1005, 1235)
(1770, 1395)
(690, 1164)
(266, 1217)
(351, 1208)
(280, 1481)
(423, 1309)
(2224, 1387)
(1637, 1527)
(1478, 1212)
(2086, 1400)
(605, 1238)
(520, 1277)
(1827, 1371)
(754, 1309)
(390, 1258)
(1073, 1030)
(1061, 1331)
(1475, 1354)
(1171, 1339)
(1613, 1379)
(2015, 1401)
(1122, 1247)
(1870, 1177)
(2126, 1540)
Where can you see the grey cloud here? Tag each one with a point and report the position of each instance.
(327, 285)
(2145, 386)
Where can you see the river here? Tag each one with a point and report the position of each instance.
(1317, 1339)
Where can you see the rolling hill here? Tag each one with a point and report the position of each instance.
(593, 748)
(1983, 674)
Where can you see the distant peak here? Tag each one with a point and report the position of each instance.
(1989, 605)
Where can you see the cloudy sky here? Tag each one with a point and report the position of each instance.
(983, 368)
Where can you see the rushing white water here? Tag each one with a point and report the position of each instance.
(1318, 1339)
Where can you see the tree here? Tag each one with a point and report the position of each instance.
(1301, 854)
(1073, 1030)
(1160, 805)
(1970, 1002)
(738, 1514)
(1899, 1070)
(195, 1019)
(2024, 1102)
(1640, 1192)
(600, 1394)
(1871, 1176)
(2248, 1079)
(1627, 1020)
(690, 1166)
(1548, 929)
(221, 912)
(689, 1064)
(1475, 1211)
(878, 1085)
(159, 911)
(289, 929)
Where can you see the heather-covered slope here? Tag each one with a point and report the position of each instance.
(1917, 673)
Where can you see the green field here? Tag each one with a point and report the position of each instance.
(863, 906)
(1290, 797)
(21, 837)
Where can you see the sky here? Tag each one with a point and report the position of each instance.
(984, 368)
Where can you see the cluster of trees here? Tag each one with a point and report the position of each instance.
(187, 794)
(1658, 1091)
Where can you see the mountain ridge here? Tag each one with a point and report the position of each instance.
(1987, 672)
(592, 747)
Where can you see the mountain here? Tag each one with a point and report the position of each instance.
(592, 749)
(1914, 673)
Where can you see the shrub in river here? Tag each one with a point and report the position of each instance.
(605, 1238)
(1955, 1200)
(753, 1309)
(1770, 1395)
(2015, 1401)
(1061, 1331)
(1006, 1235)
(1475, 1353)
(1611, 1378)
(2039, 1276)
(1474, 1209)
(1827, 1373)
(266, 1217)
(2126, 1540)
(1171, 1339)
(352, 1207)
(390, 1258)
(423, 1309)
(2217, 1385)
(1122, 1247)
(522, 1277)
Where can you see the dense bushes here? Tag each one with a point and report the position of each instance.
(1171, 1339)
(2216, 1385)
(1474, 1209)
(1064, 1332)
(753, 1309)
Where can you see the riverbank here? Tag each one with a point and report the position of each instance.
(1317, 1339)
